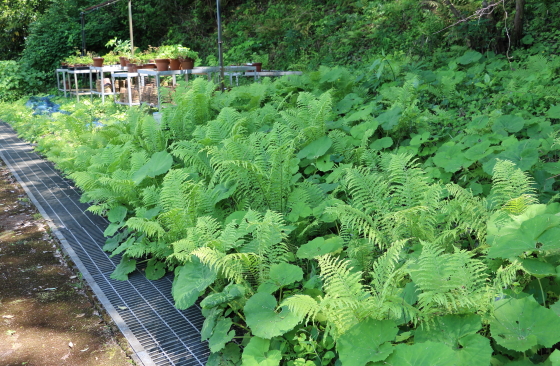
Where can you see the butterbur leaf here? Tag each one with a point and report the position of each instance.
(257, 353)
(126, 266)
(554, 358)
(366, 342)
(475, 350)
(320, 246)
(190, 280)
(230, 356)
(522, 153)
(231, 292)
(359, 131)
(451, 158)
(117, 214)
(469, 57)
(448, 329)
(554, 112)
(280, 275)
(221, 335)
(478, 151)
(419, 139)
(389, 119)
(555, 307)
(459, 333)
(422, 354)
(112, 229)
(158, 164)
(263, 318)
(346, 104)
(155, 269)
(508, 123)
(363, 114)
(478, 122)
(536, 233)
(324, 163)
(315, 149)
(538, 268)
(520, 324)
(381, 143)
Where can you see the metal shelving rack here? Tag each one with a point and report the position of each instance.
(129, 76)
(203, 70)
(64, 73)
(77, 91)
(101, 71)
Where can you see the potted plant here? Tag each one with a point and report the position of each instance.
(147, 58)
(97, 61)
(121, 48)
(111, 58)
(163, 56)
(187, 57)
(258, 61)
(133, 64)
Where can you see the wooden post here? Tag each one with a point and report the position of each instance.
(130, 27)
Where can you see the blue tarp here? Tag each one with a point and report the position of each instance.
(44, 105)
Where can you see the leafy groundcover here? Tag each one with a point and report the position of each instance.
(402, 215)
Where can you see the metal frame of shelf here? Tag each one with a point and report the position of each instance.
(77, 91)
(117, 71)
(129, 76)
(208, 70)
(101, 72)
(62, 72)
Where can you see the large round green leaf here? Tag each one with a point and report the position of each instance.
(315, 149)
(532, 231)
(459, 333)
(366, 342)
(319, 246)
(520, 324)
(263, 318)
(158, 164)
(257, 353)
(280, 275)
(422, 354)
(190, 280)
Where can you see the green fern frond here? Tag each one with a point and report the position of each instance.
(509, 185)
(304, 306)
(450, 283)
(150, 228)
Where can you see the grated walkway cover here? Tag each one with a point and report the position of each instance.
(158, 333)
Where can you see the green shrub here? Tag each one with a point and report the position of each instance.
(14, 82)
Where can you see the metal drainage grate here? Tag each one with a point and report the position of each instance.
(158, 333)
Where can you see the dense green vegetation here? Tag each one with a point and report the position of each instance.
(295, 35)
(414, 203)
(397, 204)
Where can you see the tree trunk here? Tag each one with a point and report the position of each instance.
(454, 10)
(518, 21)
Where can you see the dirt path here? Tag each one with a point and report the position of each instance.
(46, 313)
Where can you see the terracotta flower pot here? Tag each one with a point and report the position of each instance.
(187, 63)
(174, 64)
(98, 61)
(123, 61)
(162, 64)
(132, 67)
(258, 65)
